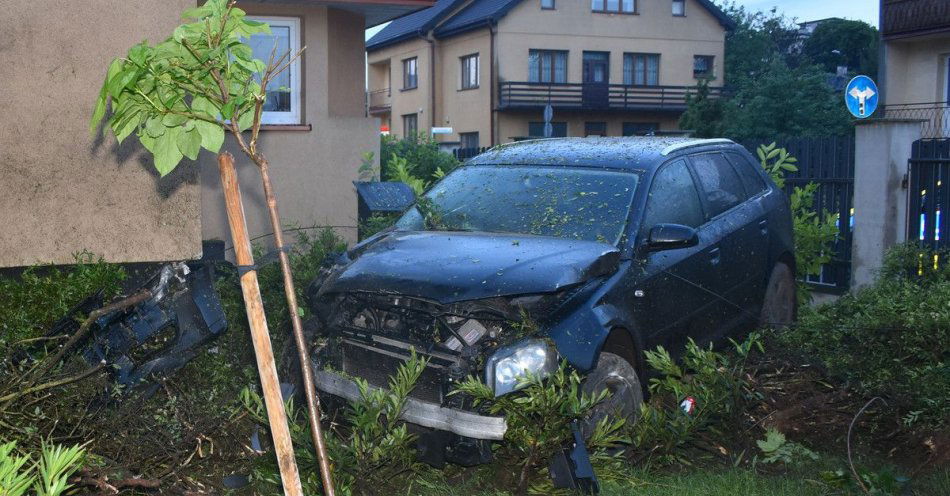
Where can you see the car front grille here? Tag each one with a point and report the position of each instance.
(377, 367)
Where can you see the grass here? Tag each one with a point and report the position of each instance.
(799, 480)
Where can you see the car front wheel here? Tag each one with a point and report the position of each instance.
(618, 377)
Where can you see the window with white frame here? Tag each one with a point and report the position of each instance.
(282, 105)
(469, 71)
(679, 8)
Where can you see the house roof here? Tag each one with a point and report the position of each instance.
(476, 14)
(412, 25)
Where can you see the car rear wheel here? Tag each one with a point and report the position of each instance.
(619, 378)
(780, 307)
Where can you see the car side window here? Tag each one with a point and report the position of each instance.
(751, 179)
(673, 198)
(718, 181)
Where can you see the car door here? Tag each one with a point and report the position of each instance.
(757, 189)
(740, 247)
(668, 296)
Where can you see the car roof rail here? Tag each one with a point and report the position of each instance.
(693, 143)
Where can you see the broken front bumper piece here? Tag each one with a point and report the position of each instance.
(163, 333)
(466, 424)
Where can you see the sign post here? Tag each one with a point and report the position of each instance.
(548, 115)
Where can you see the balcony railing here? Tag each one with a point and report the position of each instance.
(936, 116)
(379, 101)
(594, 96)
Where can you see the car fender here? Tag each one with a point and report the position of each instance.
(580, 337)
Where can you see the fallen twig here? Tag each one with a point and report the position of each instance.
(850, 427)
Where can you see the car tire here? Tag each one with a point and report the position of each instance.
(616, 375)
(780, 306)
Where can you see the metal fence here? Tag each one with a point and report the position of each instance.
(929, 193)
(936, 116)
(828, 162)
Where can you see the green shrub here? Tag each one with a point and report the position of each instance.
(47, 477)
(539, 418)
(715, 381)
(372, 450)
(891, 338)
(423, 158)
(43, 294)
(376, 223)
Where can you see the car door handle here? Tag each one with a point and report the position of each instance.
(714, 256)
(764, 226)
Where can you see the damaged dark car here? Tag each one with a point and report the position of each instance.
(588, 251)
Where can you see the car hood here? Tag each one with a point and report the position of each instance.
(455, 266)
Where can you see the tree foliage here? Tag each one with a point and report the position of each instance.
(842, 42)
(180, 95)
(775, 91)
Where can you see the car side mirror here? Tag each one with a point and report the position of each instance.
(671, 237)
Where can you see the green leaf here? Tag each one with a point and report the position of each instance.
(166, 152)
(98, 112)
(138, 53)
(196, 13)
(246, 119)
(189, 143)
(124, 126)
(171, 120)
(212, 135)
(205, 106)
(154, 126)
(121, 80)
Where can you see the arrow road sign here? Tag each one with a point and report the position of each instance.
(861, 96)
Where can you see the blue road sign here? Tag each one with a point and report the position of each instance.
(861, 96)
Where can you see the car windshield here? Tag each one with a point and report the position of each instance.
(565, 202)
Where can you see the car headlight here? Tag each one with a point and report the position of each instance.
(508, 365)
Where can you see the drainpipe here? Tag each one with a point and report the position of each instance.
(493, 85)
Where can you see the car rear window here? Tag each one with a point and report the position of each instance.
(751, 179)
(559, 201)
(719, 182)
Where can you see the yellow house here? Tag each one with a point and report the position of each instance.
(64, 191)
(915, 62)
(484, 70)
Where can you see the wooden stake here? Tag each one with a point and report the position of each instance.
(260, 336)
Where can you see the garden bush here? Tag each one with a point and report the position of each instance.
(43, 294)
(891, 338)
(423, 159)
(48, 476)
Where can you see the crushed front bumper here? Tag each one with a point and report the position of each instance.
(466, 424)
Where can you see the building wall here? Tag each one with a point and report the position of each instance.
(414, 101)
(469, 110)
(63, 190)
(916, 70)
(514, 125)
(312, 170)
(572, 26)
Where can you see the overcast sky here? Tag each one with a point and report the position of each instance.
(802, 10)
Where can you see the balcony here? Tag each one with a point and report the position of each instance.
(379, 101)
(514, 95)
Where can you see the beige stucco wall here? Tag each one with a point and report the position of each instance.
(63, 190)
(573, 27)
(465, 111)
(916, 70)
(515, 124)
(411, 101)
(312, 170)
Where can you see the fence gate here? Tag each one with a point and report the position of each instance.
(929, 193)
(829, 162)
